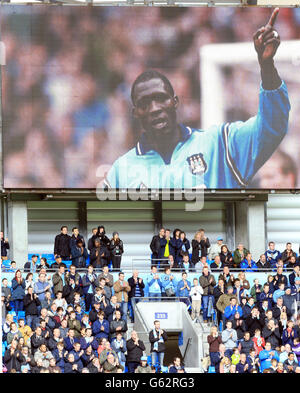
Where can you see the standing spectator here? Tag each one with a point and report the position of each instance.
(135, 348)
(41, 287)
(122, 288)
(227, 277)
(136, 291)
(167, 248)
(238, 324)
(157, 338)
(271, 334)
(229, 338)
(155, 246)
(116, 249)
(31, 306)
(99, 254)
(13, 357)
(254, 321)
(102, 236)
(262, 263)
(79, 253)
(58, 280)
(292, 276)
(256, 290)
(217, 357)
(239, 255)
(100, 327)
(219, 290)
(18, 291)
(118, 344)
(109, 279)
(246, 344)
(207, 282)
(183, 289)
(32, 265)
(200, 245)
(184, 246)
(169, 283)
(62, 244)
(89, 285)
(117, 325)
(224, 301)
(92, 239)
(215, 249)
(4, 246)
(196, 293)
(154, 283)
(75, 237)
(214, 340)
(258, 341)
(288, 253)
(292, 262)
(279, 278)
(289, 334)
(272, 255)
(232, 308)
(290, 364)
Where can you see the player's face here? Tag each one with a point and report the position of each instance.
(155, 107)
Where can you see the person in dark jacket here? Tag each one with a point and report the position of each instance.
(157, 338)
(37, 339)
(135, 348)
(62, 244)
(91, 240)
(155, 246)
(18, 291)
(262, 263)
(254, 320)
(136, 290)
(72, 366)
(292, 276)
(79, 254)
(75, 237)
(31, 266)
(200, 245)
(101, 327)
(4, 246)
(239, 325)
(279, 278)
(31, 304)
(59, 355)
(246, 344)
(288, 253)
(243, 366)
(100, 255)
(176, 367)
(13, 357)
(167, 248)
(69, 290)
(89, 285)
(226, 257)
(116, 248)
(117, 325)
(102, 236)
(271, 334)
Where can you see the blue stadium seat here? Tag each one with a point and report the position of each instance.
(30, 256)
(21, 314)
(149, 360)
(6, 263)
(67, 263)
(164, 369)
(49, 257)
(211, 370)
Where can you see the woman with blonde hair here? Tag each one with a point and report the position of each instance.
(214, 339)
(225, 365)
(200, 245)
(244, 282)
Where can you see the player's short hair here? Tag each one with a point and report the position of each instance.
(147, 76)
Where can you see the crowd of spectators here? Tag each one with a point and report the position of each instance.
(68, 104)
(75, 319)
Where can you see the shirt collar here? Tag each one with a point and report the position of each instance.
(143, 146)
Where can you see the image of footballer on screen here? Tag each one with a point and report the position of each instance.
(172, 155)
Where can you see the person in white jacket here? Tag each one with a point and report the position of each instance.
(215, 249)
(196, 293)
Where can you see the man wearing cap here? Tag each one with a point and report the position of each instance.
(31, 266)
(58, 262)
(215, 249)
(143, 367)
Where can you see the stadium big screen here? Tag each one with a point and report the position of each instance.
(150, 97)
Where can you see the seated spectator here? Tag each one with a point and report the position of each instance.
(288, 253)
(186, 264)
(248, 264)
(258, 341)
(215, 249)
(62, 244)
(235, 357)
(154, 283)
(256, 291)
(79, 254)
(176, 367)
(272, 255)
(243, 365)
(143, 366)
(216, 264)
(229, 338)
(239, 255)
(226, 257)
(117, 325)
(43, 264)
(135, 348)
(253, 361)
(246, 344)
(289, 334)
(32, 265)
(201, 264)
(216, 357)
(266, 356)
(262, 263)
(118, 344)
(292, 276)
(292, 263)
(290, 364)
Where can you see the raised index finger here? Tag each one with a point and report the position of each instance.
(273, 17)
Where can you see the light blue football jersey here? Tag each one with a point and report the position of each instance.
(224, 156)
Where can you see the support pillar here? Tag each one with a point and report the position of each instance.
(18, 232)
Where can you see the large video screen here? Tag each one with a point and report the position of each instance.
(150, 97)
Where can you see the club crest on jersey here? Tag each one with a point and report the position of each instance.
(197, 164)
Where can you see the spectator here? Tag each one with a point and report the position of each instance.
(216, 264)
(262, 263)
(227, 277)
(278, 292)
(243, 365)
(224, 301)
(58, 262)
(248, 264)
(13, 334)
(200, 245)
(89, 285)
(289, 334)
(215, 249)
(136, 290)
(184, 246)
(246, 344)
(109, 279)
(196, 293)
(217, 357)
(272, 255)
(4, 246)
(238, 290)
(122, 288)
(279, 278)
(31, 266)
(290, 364)
(167, 248)
(143, 366)
(266, 356)
(118, 344)
(75, 237)
(176, 367)
(62, 244)
(229, 338)
(154, 284)
(183, 289)
(31, 306)
(157, 338)
(116, 249)
(43, 264)
(238, 324)
(92, 239)
(292, 262)
(18, 291)
(226, 257)
(292, 276)
(99, 254)
(214, 340)
(102, 236)
(288, 253)
(135, 348)
(186, 264)
(244, 282)
(256, 290)
(207, 282)
(232, 308)
(79, 253)
(41, 287)
(169, 283)
(254, 321)
(258, 341)
(155, 246)
(271, 334)
(13, 358)
(117, 325)
(266, 295)
(58, 279)
(239, 255)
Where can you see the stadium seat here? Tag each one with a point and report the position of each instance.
(21, 314)
(30, 256)
(211, 370)
(67, 263)
(164, 369)
(49, 257)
